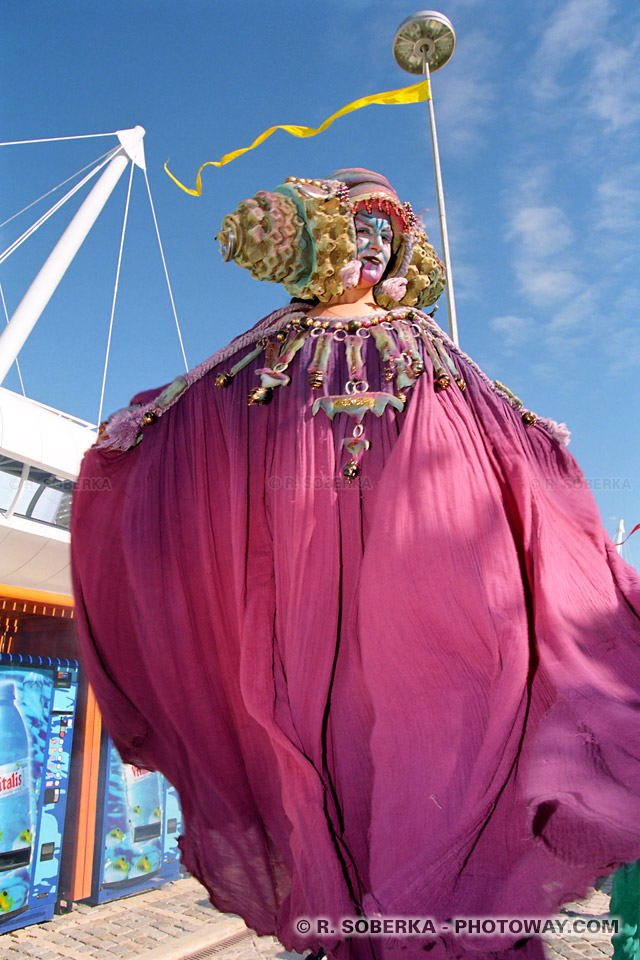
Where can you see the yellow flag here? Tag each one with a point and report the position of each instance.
(413, 94)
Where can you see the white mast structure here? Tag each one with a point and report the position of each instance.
(55, 266)
(40, 447)
(619, 537)
(423, 43)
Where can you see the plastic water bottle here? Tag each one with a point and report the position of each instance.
(144, 805)
(16, 834)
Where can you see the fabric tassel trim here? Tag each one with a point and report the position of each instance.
(281, 335)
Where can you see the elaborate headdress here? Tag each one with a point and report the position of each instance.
(303, 235)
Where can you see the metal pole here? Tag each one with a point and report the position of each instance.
(619, 537)
(55, 266)
(451, 304)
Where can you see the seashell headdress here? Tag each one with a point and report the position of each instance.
(303, 235)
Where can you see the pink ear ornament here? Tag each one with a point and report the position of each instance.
(350, 273)
(395, 287)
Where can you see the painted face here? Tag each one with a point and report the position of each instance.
(374, 235)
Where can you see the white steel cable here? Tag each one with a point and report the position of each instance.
(166, 273)
(53, 189)
(6, 316)
(45, 216)
(81, 136)
(115, 294)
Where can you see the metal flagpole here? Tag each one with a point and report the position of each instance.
(423, 43)
(619, 537)
(55, 266)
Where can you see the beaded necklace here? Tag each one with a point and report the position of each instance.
(405, 339)
(399, 336)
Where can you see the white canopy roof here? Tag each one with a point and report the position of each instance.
(34, 554)
(42, 436)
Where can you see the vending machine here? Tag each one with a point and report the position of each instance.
(172, 831)
(138, 822)
(37, 709)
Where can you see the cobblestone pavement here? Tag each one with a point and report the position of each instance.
(597, 946)
(177, 921)
(168, 922)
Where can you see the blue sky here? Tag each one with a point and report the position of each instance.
(538, 117)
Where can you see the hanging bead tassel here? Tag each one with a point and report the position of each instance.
(355, 446)
(273, 375)
(318, 368)
(388, 350)
(442, 380)
(260, 396)
(500, 386)
(449, 362)
(409, 346)
(355, 363)
(224, 379)
(351, 470)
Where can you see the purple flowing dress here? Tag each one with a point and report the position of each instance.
(414, 695)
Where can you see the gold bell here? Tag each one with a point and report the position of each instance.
(351, 470)
(418, 367)
(281, 335)
(401, 395)
(223, 379)
(261, 395)
(461, 383)
(149, 417)
(529, 416)
(316, 380)
(443, 381)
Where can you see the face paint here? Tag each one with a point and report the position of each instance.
(374, 235)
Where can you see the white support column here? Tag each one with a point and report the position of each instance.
(444, 233)
(619, 537)
(41, 290)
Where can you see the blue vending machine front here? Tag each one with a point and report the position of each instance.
(37, 709)
(134, 850)
(172, 831)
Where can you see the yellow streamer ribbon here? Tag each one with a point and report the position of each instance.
(416, 93)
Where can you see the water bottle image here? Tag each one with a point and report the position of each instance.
(144, 811)
(144, 805)
(16, 829)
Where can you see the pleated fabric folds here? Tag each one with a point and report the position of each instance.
(414, 695)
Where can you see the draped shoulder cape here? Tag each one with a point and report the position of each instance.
(417, 694)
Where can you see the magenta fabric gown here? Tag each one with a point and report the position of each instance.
(415, 695)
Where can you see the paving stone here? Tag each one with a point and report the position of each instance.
(149, 922)
(187, 925)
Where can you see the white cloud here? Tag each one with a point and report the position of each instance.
(512, 329)
(618, 206)
(549, 372)
(541, 239)
(576, 28)
(546, 286)
(613, 87)
(585, 34)
(464, 103)
(615, 222)
(468, 281)
(579, 311)
(622, 346)
(543, 229)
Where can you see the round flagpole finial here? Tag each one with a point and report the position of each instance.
(427, 34)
